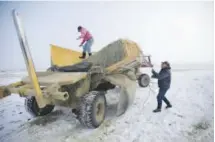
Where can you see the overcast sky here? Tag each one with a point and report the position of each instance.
(181, 32)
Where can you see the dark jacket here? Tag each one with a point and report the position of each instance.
(164, 78)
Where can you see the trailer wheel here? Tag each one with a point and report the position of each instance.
(32, 107)
(143, 80)
(92, 109)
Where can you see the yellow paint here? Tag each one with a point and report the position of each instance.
(62, 57)
(34, 80)
(16, 84)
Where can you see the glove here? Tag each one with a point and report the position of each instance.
(152, 70)
(153, 76)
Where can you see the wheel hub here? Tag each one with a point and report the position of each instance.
(144, 80)
(100, 110)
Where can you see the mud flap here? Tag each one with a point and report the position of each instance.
(127, 93)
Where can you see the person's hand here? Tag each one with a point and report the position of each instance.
(80, 45)
(152, 70)
(153, 76)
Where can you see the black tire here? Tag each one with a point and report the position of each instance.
(92, 109)
(144, 80)
(32, 107)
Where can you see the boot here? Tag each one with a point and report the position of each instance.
(83, 55)
(157, 110)
(168, 106)
(90, 54)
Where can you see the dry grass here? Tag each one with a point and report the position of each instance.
(203, 125)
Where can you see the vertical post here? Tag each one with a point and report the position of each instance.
(28, 59)
(149, 58)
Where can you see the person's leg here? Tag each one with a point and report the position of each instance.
(90, 43)
(167, 102)
(87, 47)
(160, 97)
(84, 51)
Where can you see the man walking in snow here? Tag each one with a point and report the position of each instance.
(87, 39)
(164, 81)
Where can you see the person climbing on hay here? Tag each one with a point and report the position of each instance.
(87, 41)
(164, 81)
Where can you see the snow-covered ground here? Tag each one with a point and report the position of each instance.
(190, 119)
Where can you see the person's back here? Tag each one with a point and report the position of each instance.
(85, 34)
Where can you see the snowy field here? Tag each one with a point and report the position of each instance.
(190, 119)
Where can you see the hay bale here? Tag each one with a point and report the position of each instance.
(4, 92)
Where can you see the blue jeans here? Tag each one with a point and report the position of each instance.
(161, 97)
(87, 45)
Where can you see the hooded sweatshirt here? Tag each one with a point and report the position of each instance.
(164, 78)
(85, 35)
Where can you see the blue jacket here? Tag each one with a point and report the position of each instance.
(164, 78)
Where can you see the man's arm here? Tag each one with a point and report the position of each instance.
(82, 42)
(83, 35)
(155, 74)
(160, 76)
